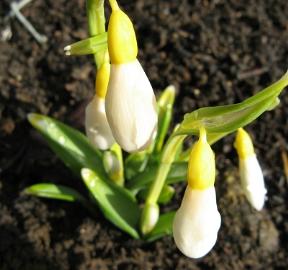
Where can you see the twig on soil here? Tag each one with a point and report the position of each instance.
(20, 5)
(40, 38)
(15, 12)
(252, 73)
(285, 163)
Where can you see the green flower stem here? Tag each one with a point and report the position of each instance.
(167, 159)
(113, 4)
(96, 25)
(168, 156)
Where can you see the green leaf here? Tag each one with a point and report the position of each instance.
(274, 104)
(177, 173)
(96, 16)
(70, 145)
(90, 45)
(53, 191)
(165, 110)
(117, 204)
(165, 196)
(226, 119)
(162, 228)
(135, 163)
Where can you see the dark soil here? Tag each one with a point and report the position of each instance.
(215, 52)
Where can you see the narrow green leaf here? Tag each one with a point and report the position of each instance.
(96, 16)
(274, 104)
(226, 119)
(163, 227)
(96, 25)
(117, 204)
(53, 191)
(90, 45)
(165, 110)
(71, 146)
(214, 137)
(177, 173)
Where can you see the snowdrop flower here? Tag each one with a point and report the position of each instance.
(130, 102)
(97, 128)
(251, 175)
(197, 221)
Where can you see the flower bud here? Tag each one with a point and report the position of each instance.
(197, 221)
(130, 101)
(131, 107)
(113, 167)
(97, 128)
(251, 175)
(150, 217)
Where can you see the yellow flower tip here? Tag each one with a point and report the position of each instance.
(122, 43)
(102, 80)
(201, 167)
(244, 144)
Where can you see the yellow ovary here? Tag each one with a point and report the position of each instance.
(102, 80)
(122, 43)
(201, 167)
(243, 144)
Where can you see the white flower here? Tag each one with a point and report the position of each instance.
(251, 175)
(96, 125)
(197, 222)
(131, 106)
(252, 181)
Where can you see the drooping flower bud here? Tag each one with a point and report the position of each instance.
(150, 217)
(251, 175)
(97, 128)
(113, 167)
(197, 221)
(130, 101)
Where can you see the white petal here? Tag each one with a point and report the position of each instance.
(131, 106)
(197, 222)
(252, 181)
(96, 124)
